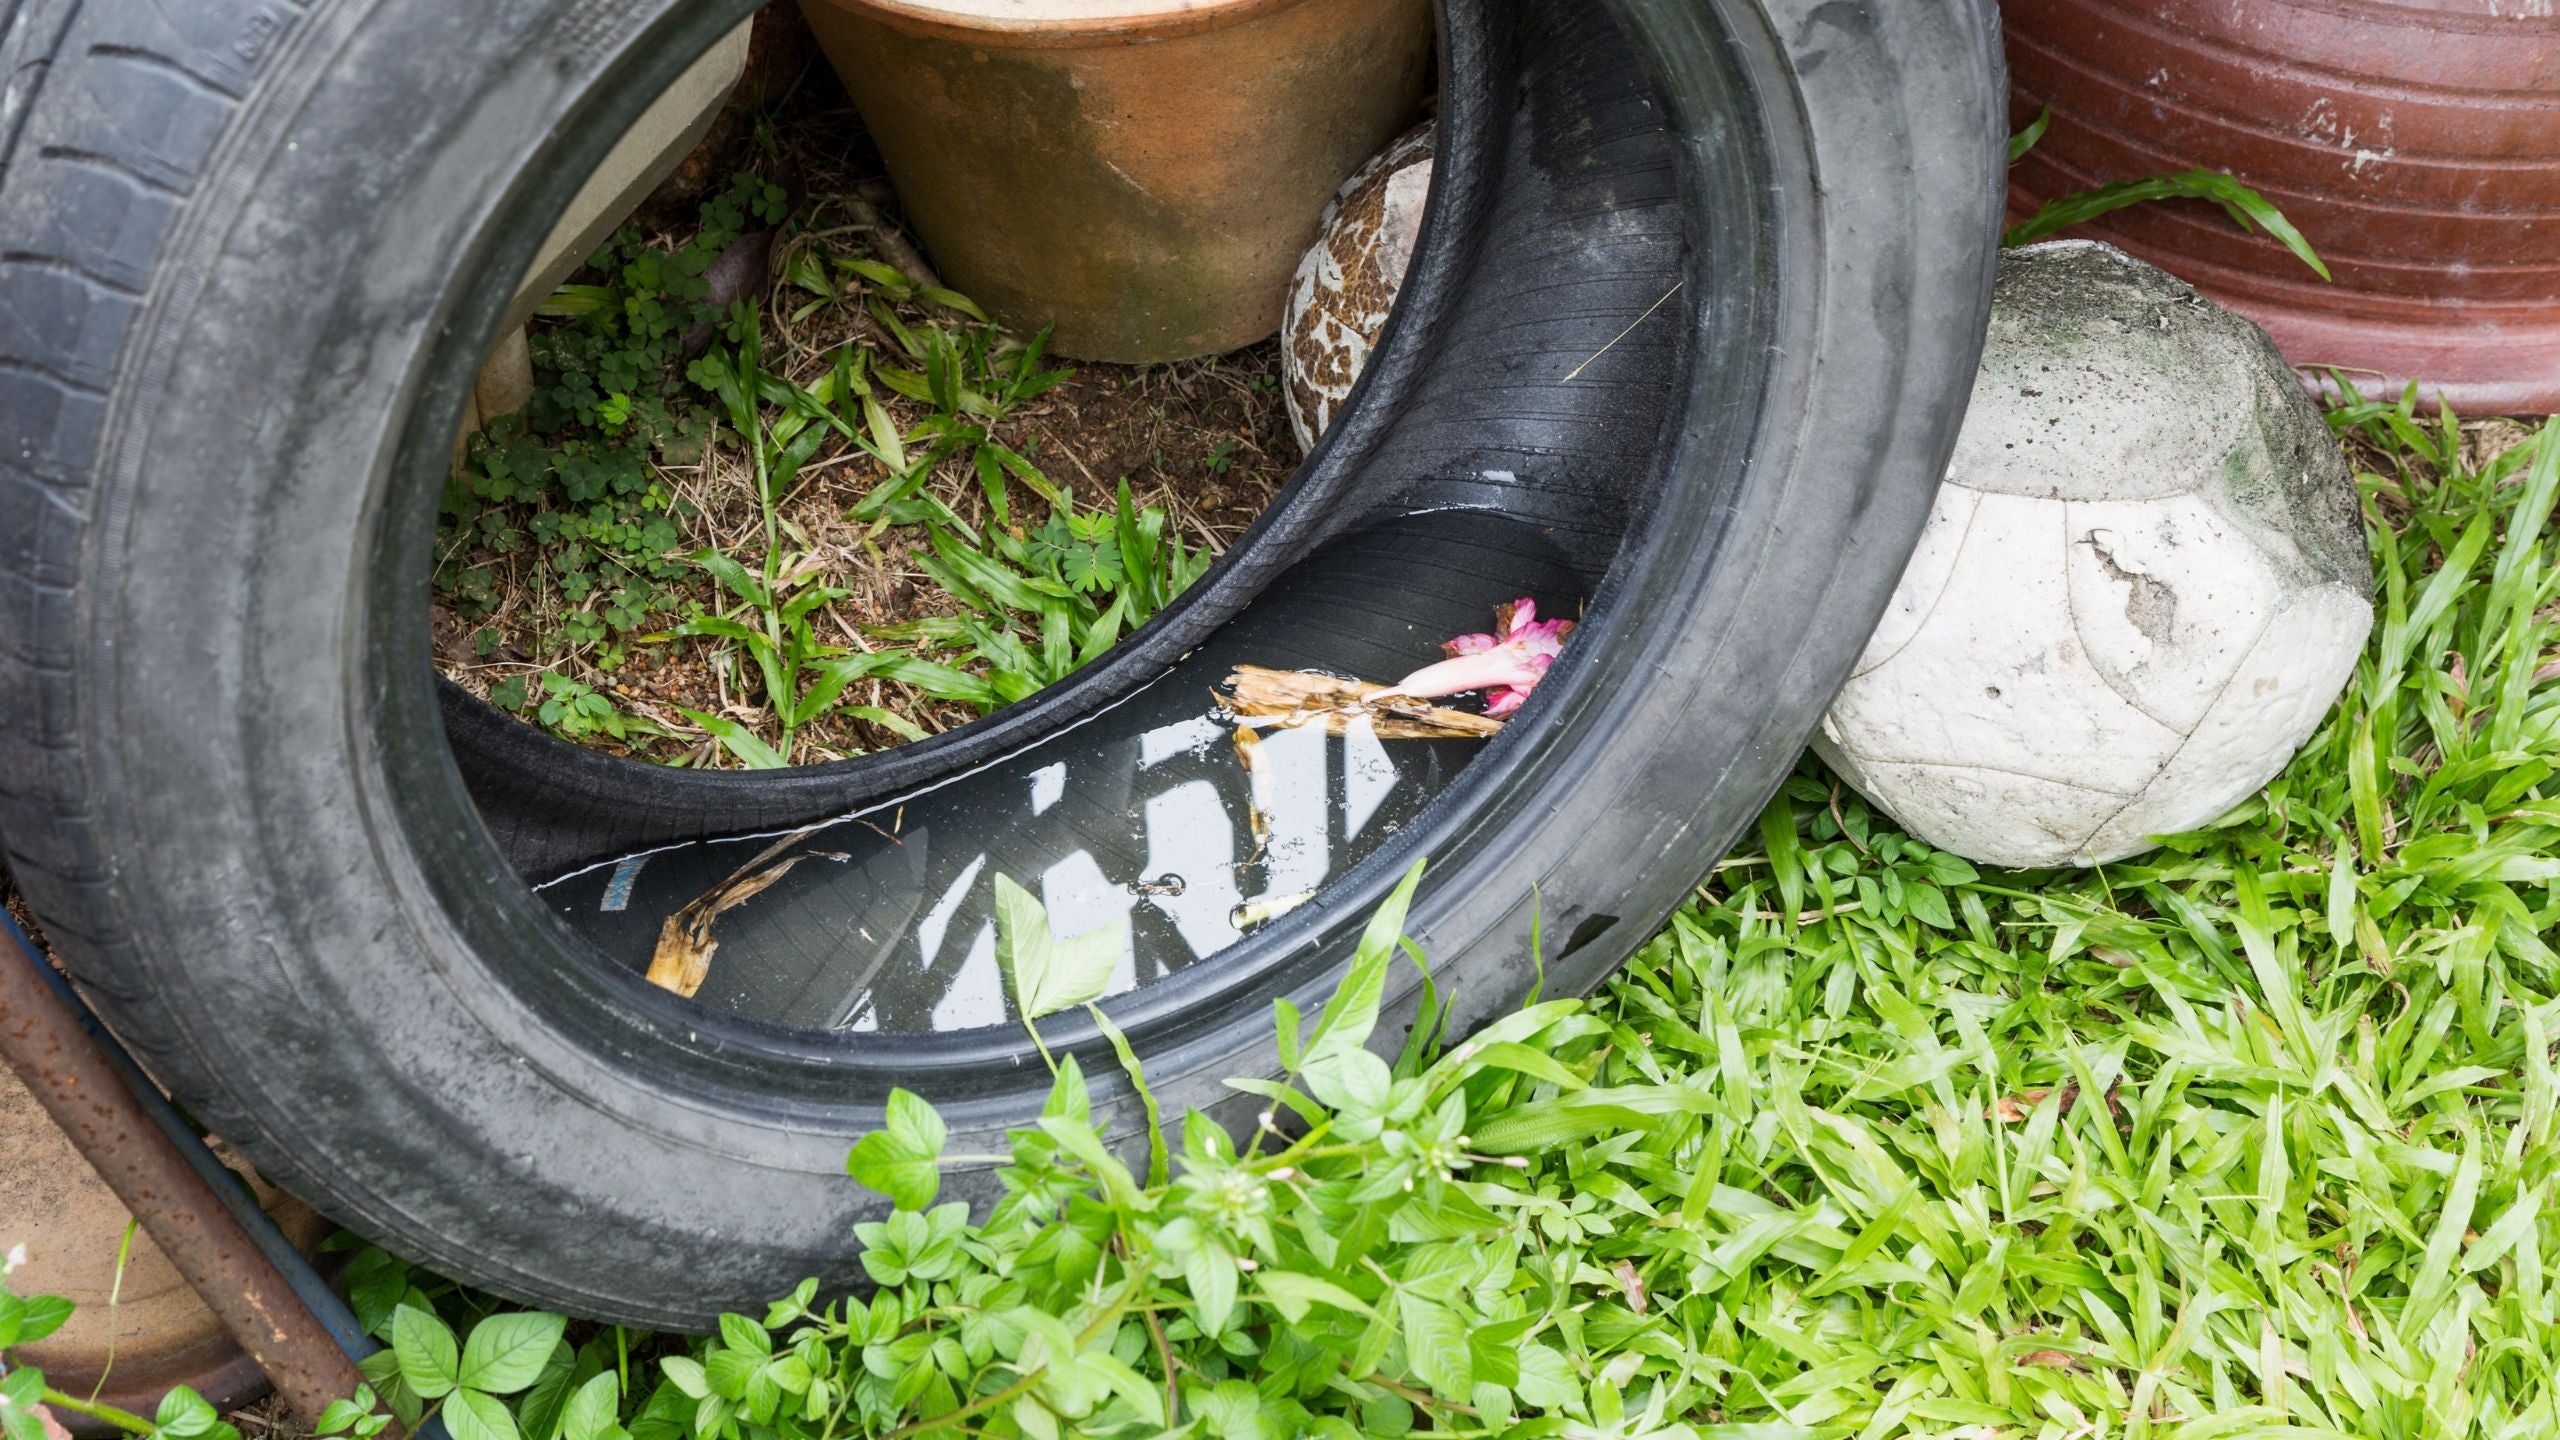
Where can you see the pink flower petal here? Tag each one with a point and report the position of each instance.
(1544, 638)
(1482, 670)
(1506, 664)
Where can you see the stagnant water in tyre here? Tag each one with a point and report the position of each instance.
(885, 920)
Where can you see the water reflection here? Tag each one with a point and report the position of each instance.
(1143, 813)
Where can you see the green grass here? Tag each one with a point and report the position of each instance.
(2253, 1136)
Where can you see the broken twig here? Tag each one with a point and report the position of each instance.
(1291, 698)
(685, 943)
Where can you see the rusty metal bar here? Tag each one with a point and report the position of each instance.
(301, 1335)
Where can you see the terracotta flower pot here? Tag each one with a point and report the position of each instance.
(2415, 143)
(1143, 174)
(139, 1332)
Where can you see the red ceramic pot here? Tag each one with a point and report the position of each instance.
(2415, 143)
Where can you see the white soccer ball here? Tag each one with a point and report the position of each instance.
(2143, 583)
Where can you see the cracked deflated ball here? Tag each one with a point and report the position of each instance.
(1347, 281)
(2143, 583)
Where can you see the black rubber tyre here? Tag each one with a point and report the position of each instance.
(1704, 285)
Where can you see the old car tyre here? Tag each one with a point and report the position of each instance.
(1700, 294)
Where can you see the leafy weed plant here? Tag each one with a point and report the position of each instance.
(2247, 208)
(1037, 604)
(568, 487)
(573, 490)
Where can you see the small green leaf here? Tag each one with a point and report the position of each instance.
(1029, 474)
(339, 1415)
(740, 1334)
(382, 1370)
(953, 300)
(1212, 1275)
(942, 681)
(1159, 1167)
(901, 1159)
(1286, 1022)
(886, 277)
(737, 739)
(1293, 1294)
(470, 1415)
(538, 1408)
(686, 1375)
(2246, 207)
(506, 1352)
(430, 1361)
(40, 1316)
(183, 1414)
(741, 581)
(1352, 1013)
(991, 480)
(1050, 974)
(1547, 1379)
(22, 1387)
(20, 1422)
(833, 676)
(592, 1410)
(1077, 1138)
(2025, 140)
(1435, 1344)
(885, 441)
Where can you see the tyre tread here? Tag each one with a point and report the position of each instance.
(87, 199)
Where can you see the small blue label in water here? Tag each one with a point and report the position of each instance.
(617, 891)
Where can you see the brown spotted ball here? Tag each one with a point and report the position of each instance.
(1347, 281)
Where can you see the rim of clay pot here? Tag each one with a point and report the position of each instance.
(1061, 23)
